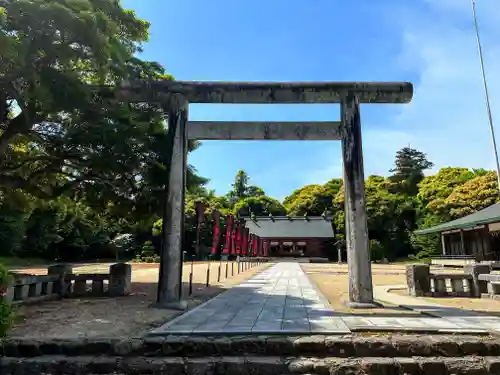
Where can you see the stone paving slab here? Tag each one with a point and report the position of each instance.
(465, 320)
(280, 299)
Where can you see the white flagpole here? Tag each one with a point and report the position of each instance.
(486, 94)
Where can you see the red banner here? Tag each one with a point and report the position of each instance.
(239, 234)
(250, 244)
(229, 225)
(216, 232)
(255, 245)
(233, 236)
(244, 245)
(266, 248)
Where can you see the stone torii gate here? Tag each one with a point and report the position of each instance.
(175, 96)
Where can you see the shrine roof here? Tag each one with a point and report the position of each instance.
(290, 226)
(488, 215)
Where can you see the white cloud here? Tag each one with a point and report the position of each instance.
(447, 117)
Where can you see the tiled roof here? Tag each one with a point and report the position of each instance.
(290, 227)
(488, 215)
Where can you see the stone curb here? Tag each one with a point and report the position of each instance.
(319, 346)
(250, 365)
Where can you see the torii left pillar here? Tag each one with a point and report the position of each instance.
(170, 276)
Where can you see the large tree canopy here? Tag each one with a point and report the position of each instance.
(60, 136)
(312, 200)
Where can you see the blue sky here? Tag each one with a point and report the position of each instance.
(429, 43)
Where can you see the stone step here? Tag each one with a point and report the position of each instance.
(249, 365)
(315, 346)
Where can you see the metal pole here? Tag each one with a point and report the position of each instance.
(486, 94)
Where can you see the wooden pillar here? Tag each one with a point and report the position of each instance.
(462, 242)
(443, 244)
(170, 276)
(358, 247)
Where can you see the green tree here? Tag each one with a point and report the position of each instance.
(313, 200)
(259, 206)
(58, 133)
(391, 217)
(241, 188)
(474, 195)
(60, 136)
(410, 165)
(440, 185)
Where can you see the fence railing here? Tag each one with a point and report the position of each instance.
(422, 283)
(451, 285)
(61, 282)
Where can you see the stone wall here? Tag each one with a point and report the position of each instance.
(270, 355)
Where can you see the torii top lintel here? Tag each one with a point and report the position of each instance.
(267, 92)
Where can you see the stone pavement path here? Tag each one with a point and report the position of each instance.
(465, 319)
(280, 299)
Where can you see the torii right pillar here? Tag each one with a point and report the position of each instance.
(356, 227)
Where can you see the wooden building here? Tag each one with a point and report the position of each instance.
(476, 235)
(294, 236)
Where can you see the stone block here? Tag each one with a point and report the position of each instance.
(470, 365)
(49, 288)
(374, 346)
(120, 279)
(407, 366)
(492, 365)
(24, 292)
(493, 288)
(379, 365)
(440, 287)
(418, 279)
(434, 366)
(62, 286)
(97, 287)
(457, 285)
(35, 290)
(477, 285)
(10, 294)
(489, 277)
(80, 287)
(310, 344)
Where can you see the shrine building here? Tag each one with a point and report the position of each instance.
(475, 237)
(294, 236)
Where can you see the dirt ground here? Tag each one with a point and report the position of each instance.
(332, 281)
(128, 316)
(475, 304)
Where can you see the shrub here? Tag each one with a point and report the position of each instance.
(5, 308)
(147, 254)
(377, 250)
